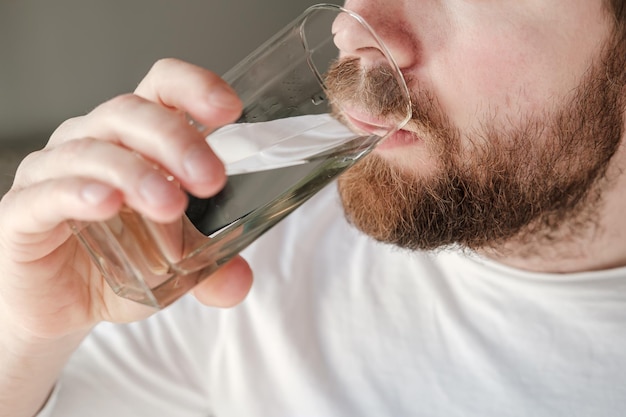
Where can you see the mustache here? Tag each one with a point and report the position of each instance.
(377, 91)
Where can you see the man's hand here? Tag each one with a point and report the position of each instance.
(50, 292)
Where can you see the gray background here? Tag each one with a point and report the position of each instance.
(60, 58)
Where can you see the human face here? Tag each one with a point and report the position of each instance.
(516, 119)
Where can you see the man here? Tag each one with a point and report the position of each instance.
(513, 166)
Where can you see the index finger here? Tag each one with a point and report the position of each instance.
(195, 90)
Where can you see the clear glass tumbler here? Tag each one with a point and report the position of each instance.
(286, 146)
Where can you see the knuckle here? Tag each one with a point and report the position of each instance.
(75, 153)
(64, 130)
(163, 64)
(25, 166)
(75, 148)
(119, 104)
(111, 112)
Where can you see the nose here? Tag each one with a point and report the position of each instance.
(355, 40)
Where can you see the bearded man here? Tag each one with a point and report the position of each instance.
(473, 265)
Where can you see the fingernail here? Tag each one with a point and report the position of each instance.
(95, 194)
(200, 165)
(156, 189)
(224, 97)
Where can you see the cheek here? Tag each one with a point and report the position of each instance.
(495, 83)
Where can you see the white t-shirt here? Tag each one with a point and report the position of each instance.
(340, 325)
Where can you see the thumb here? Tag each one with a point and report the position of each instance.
(228, 286)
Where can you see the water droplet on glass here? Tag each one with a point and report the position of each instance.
(317, 100)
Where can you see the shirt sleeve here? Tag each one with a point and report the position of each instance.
(157, 367)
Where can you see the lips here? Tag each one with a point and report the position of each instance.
(367, 123)
(370, 125)
(399, 139)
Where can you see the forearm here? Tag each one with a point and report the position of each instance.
(30, 369)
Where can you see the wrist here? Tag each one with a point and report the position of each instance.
(30, 367)
(17, 340)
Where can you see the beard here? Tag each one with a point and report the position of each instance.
(540, 180)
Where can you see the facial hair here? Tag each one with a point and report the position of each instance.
(538, 181)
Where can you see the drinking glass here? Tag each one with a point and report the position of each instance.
(286, 146)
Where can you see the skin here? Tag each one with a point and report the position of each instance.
(475, 56)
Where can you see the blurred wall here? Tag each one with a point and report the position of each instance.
(60, 58)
